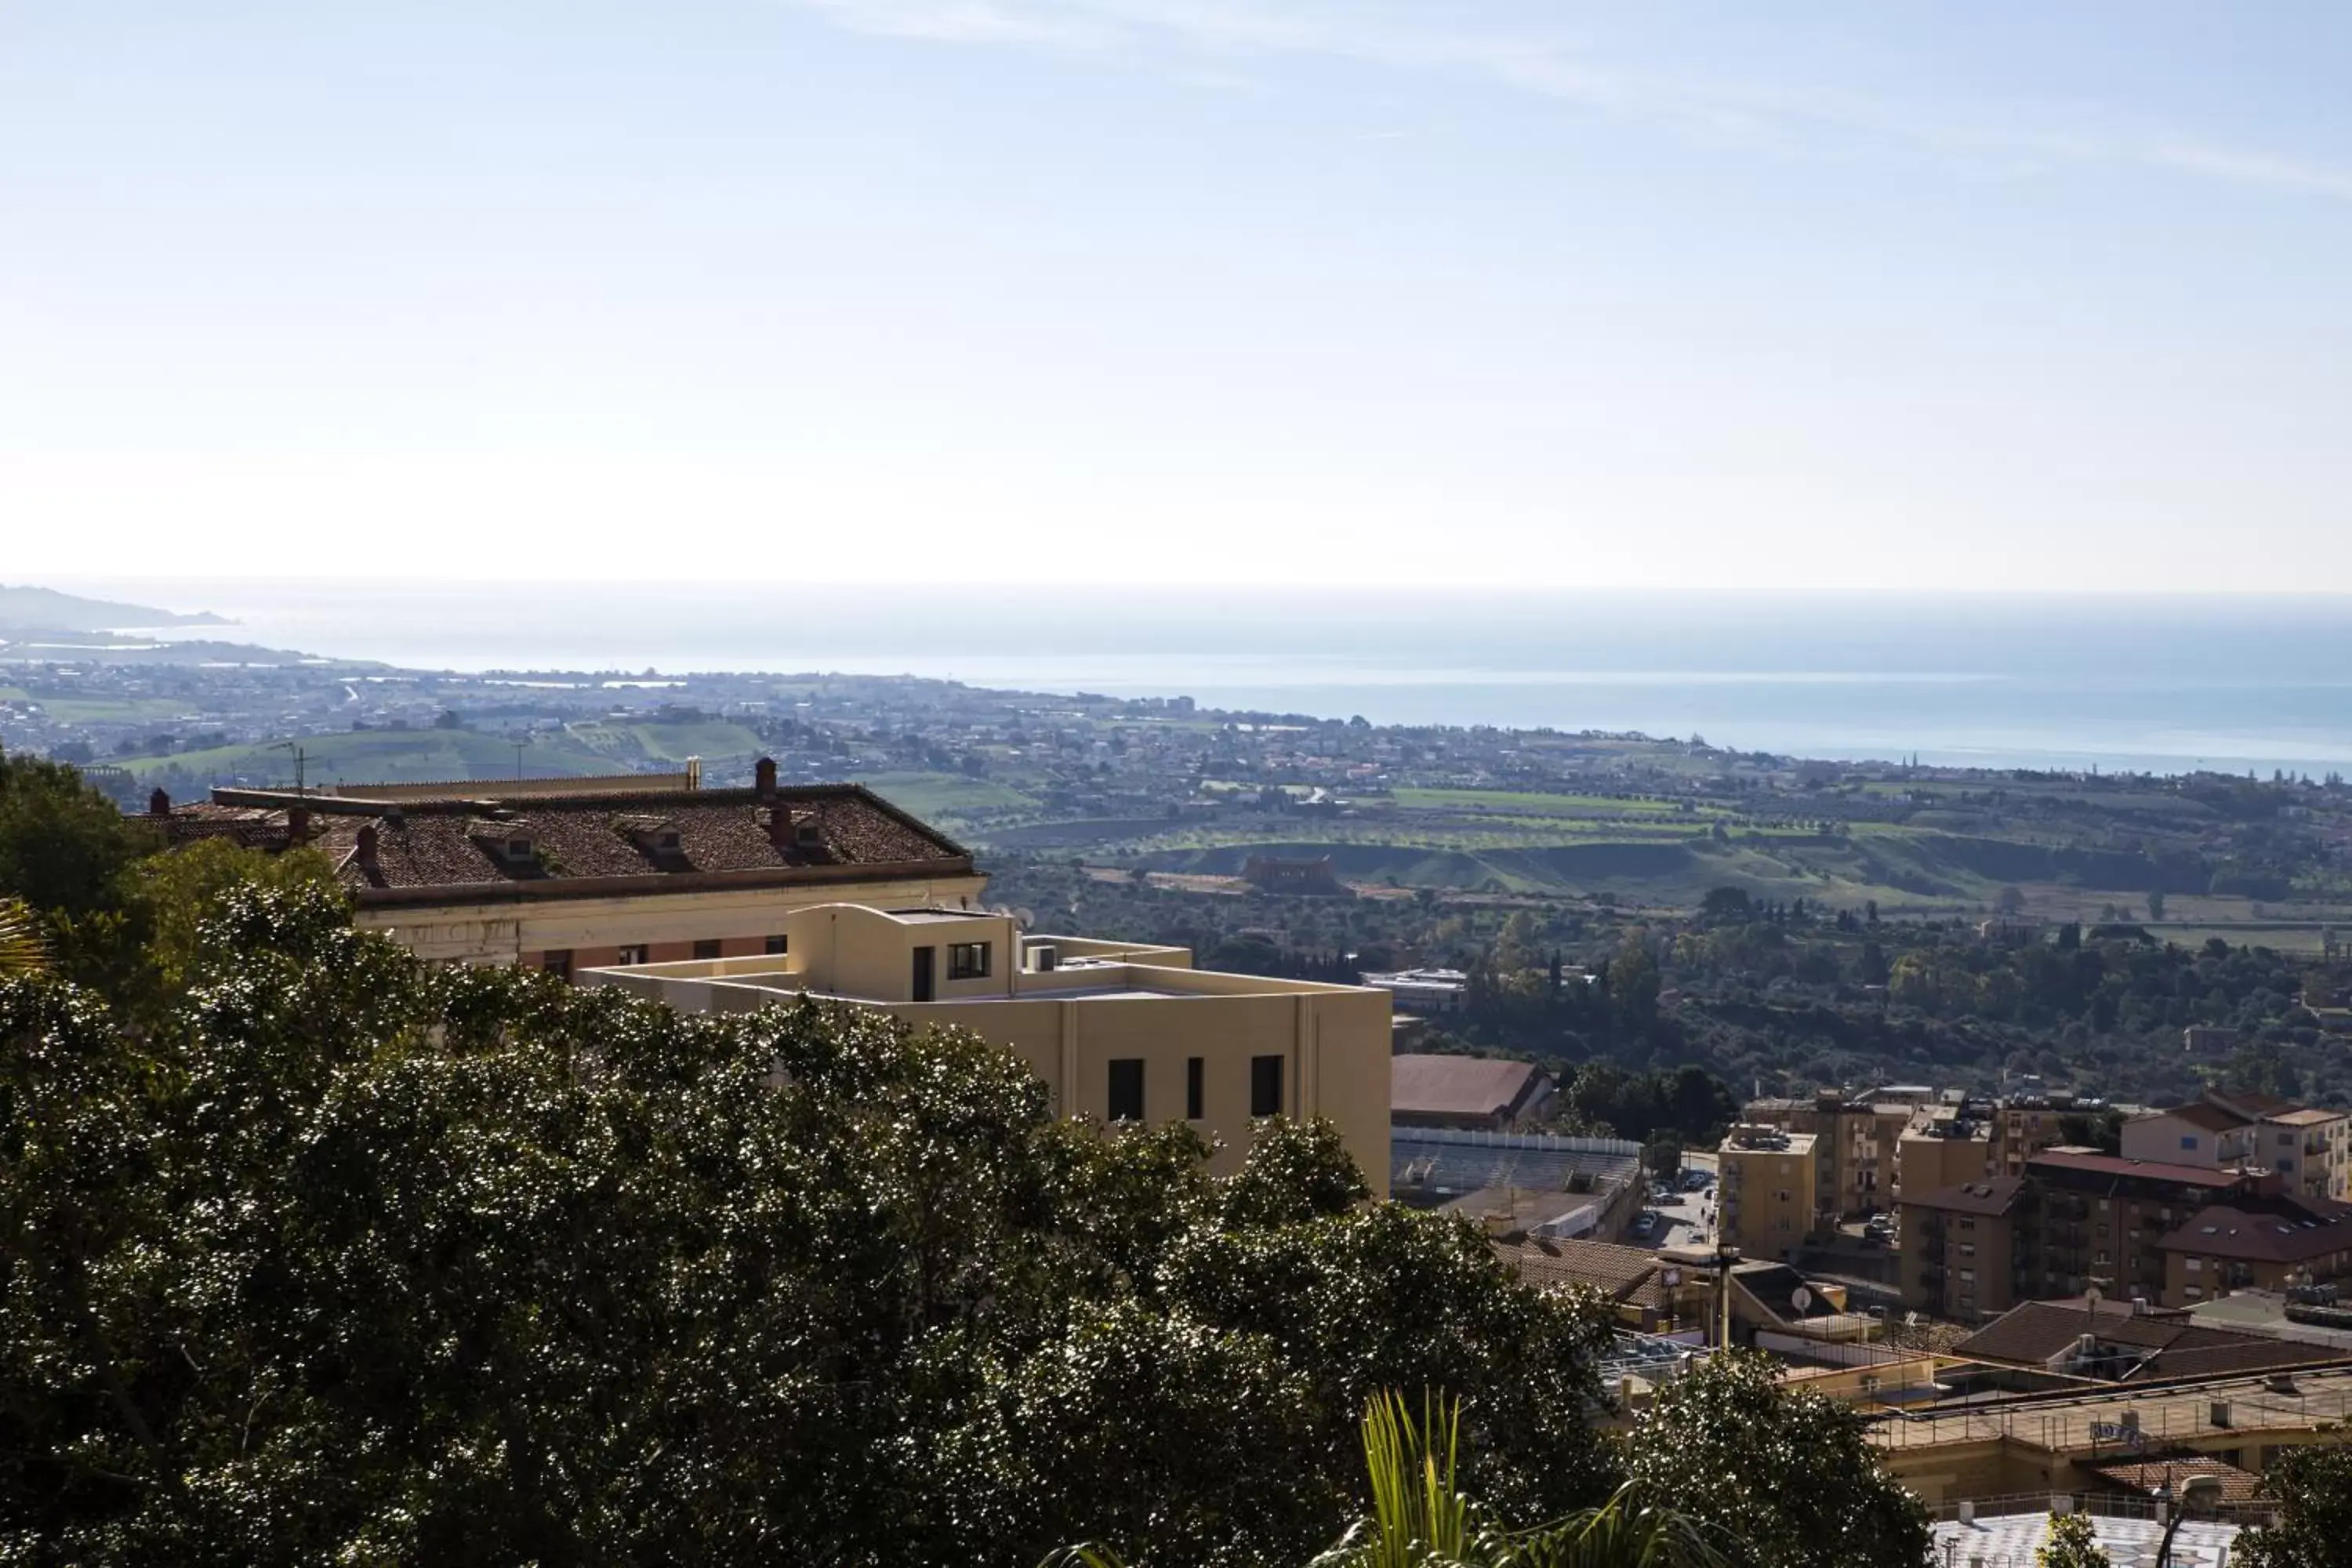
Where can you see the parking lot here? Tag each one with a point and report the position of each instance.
(1685, 1220)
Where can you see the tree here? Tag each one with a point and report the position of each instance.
(2156, 904)
(2074, 1543)
(62, 843)
(1789, 1476)
(339, 1256)
(1726, 904)
(2011, 901)
(2313, 1488)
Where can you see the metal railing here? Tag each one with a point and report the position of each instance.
(2106, 1505)
(2158, 1416)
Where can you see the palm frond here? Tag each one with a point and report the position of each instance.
(22, 951)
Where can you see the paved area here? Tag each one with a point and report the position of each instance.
(2010, 1541)
(1688, 1221)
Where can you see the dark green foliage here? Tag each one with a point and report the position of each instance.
(2313, 1489)
(62, 843)
(339, 1257)
(1789, 1476)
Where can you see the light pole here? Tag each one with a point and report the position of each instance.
(1725, 1255)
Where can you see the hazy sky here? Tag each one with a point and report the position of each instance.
(1400, 290)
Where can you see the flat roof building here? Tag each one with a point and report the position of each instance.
(1116, 1031)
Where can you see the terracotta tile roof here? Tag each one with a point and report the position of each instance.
(1996, 1195)
(2207, 1117)
(2164, 1345)
(1459, 1086)
(1620, 1273)
(2141, 1477)
(2277, 1229)
(586, 844)
(2146, 1169)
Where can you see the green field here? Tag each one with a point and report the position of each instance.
(946, 796)
(112, 710)
(384, 756)
(665, 743)
(1531, 803)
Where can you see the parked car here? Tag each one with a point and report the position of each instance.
(1643, 1223)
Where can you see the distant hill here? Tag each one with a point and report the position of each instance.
(30, 609)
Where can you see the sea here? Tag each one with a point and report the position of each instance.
(2116, 683)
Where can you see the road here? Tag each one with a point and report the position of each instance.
(1686, 1221)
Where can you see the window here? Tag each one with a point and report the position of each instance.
(1968, 1249)
(708, 948)
(777, 945)
(2195, 1266)
(1968, 1303)
(1968, 1224)
(2188, 1141)
(517, 848)
(557, 962)
(636, 954)
(1266, 1086)
(968, 960)
(1127, 1089)
(2192, 1292)
(1968, 1275)
(1196, 1074)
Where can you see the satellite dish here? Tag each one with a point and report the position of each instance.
(2094, 1296)
(1801, 1298)
(1671, 1278)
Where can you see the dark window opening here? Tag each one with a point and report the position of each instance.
(708, 949)
(1127, 1089)
(1195, 1073)
(1266, 1086)
(926, 965)
(557, 963)
(968, 960)
(636, 954)
(777, 944)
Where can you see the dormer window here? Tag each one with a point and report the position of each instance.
(510, 842)
(805, 834)
(651, 835)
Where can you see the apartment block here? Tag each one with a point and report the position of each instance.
(2169, 1235)
(1116, 1031)
(2308, 1147)
(1941, 1149)
(1959, 1257)
(1768, 1182)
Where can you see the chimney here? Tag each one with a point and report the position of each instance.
(764, 778)
(367, 848)
(159, 804)
(298, 825)
(779, 825)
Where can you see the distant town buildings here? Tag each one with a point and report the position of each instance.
(1427, 993)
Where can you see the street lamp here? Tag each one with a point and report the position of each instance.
(2197, 1492)
(1725, 1255)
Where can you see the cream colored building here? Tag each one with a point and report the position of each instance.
(1768, 1182)
(1939, 1149)
(1116, 1031)
(573, 874)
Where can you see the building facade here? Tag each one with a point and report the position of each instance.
(1769, 1184)
(1116, 1031)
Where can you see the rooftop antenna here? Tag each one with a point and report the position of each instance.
(300, 760)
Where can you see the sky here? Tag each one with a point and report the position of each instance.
(1321, 292)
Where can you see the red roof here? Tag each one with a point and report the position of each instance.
(2151, 1170)
(590, 844)
(1459, 1086)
